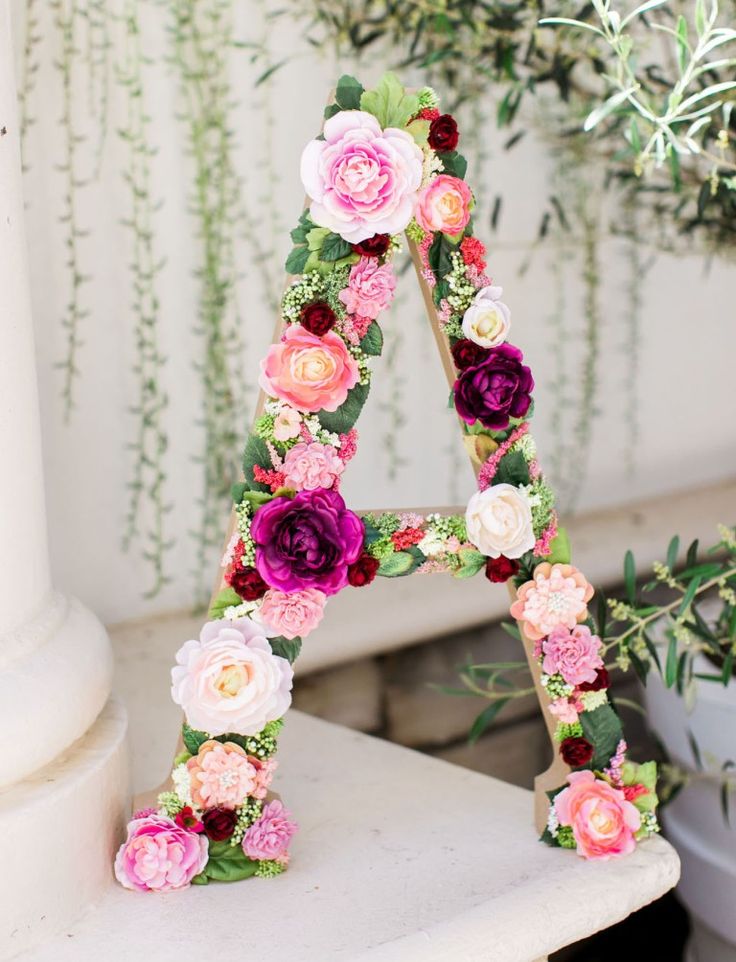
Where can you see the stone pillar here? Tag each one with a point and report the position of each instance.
(62, 752)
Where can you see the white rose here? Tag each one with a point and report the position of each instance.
(487, 320)
(499, 521)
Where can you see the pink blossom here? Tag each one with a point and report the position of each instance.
(221, 775)
(558, 594)
(269, 837)
(573, 654)
(159, 856)
(310, 466)
(361, 180)
(286, 424)
(265, 768)
(370, 288)
(603, 822)
(293, 613)
(444, 205)
(564, 711)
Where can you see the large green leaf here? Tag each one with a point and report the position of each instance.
(348, 93)
(372, 342)
(603, 730)
(341, 420)
(401, 563)
(192, 738)
(389, 102)
(439, 256)
(228, 863)
(256, 452)
(454, 163)
(288, 648)
(472, 562)
(334, 248)
(512, 469)
(297, 259)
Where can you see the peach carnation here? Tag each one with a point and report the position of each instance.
(221, 775)
(603, 822)
(558, 594)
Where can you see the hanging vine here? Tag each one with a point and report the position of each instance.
(97, 57)
(29, 66)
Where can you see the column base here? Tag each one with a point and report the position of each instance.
(58, 832)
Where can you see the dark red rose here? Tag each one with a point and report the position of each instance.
(219, 823)
(496, 389)
(246, 582)
(318, 318)
(501, 569)
(466, 353)
(602, 680)
(363, 571)
(576, 751)
(375, 246)
(443, 133)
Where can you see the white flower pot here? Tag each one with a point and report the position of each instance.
(694, 821)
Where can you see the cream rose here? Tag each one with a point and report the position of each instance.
(499, 521)
(488, 319)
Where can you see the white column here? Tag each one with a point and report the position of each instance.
(63, 780)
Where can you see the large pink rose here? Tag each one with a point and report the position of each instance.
(310, 373)
(269, 837)
(370, 288)
(361, 180)
(444, 205)
(293, 613)
(602, 821)
(230, 680)
(158, 855)
(310, 465)
(573, 654)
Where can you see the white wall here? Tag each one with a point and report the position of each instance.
(688, 337)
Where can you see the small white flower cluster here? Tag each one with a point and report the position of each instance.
(556, 687)
(312, 424)
(182, 784)
(553, 823)
(593, 699)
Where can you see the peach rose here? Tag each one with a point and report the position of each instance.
(310, 373)
(444, 205)
(221, 775)
(557, 595)
(603, 822)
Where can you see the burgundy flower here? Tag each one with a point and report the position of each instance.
(375, 246)
(246, 582)
(495, 389)
(576, 751)
(466, 353)
(308, 541)
(501, 569)
(219, 823)
(443, 133)
(602, 680)
(318, 318)
(363, 571)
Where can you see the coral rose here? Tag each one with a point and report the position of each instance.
(573, 654)
(308, 372)
(310, 465)
(557, 595)
(221, 775)
(444, 205)
(370, 288)
(269, 837)
(361, 180)
(230, 680)
(603, 823)
(293, 614)
(499, 521)
(159, 856)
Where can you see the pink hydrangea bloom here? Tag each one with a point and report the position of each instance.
(265, 768)
(573, 654)
(269, 837)
(361, 180)
(444, 205)
(603, 822)
(159, 856)
(557, 595)
(312, 465)
(293, 613)
(370, 288)
(221, 775)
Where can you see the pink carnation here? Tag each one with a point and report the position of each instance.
(312, 465)
(444, 205)
(221, 775)
(159, 856)
(293, 613)
(603, 822)
(265, 769)
(370, 288)
(557, 595)
(573, 654)
(269, 837)
(564, 711)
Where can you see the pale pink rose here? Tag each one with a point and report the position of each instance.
(265, 768)
(563, 710)
(370, 288)
(230, 680)
(310, 373)
(444, 205)
(557, 595)
(159, 856)
(573, 654)
(269, 837)
(221, 775)
(361, 180)
(293, 613)
(603, 822)
(310, 465)
(286, 424)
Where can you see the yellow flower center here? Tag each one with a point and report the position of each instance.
(231, 680)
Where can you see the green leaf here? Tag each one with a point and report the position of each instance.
(224, 599)
(559, 550)
(454, 164)
(397, 564)
(341, 420)
(372, 343)
(297, 260)
(237, 491)
(334, 248)
(687, 598)
(300, 232)
(485, 719)
(331, 110)
(602, 728)
(288, 648)
(316, 238)
(389, 103)
(192, 739)
(472, 562)
(512, 469)
(419, 129)
(256, 452)
(672, 552)
(228, 863)
(630, 577)
(683, 47)
(348, 93)
(439, 256)
(670, 668)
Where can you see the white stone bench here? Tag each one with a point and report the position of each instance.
(399, 857)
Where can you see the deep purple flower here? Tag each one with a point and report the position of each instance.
(307, 541)
(496, 389)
